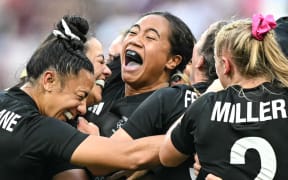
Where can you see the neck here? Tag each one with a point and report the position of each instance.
(130, 90)
(198, 76)
(33, 92)
(248, 83)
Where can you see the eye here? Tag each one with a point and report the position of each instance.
(81, 98)
(130, 32)
(133, 31)
(150, 37)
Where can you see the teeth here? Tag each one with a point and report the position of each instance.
(68, 115)
(100, 82)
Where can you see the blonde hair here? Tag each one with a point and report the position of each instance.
(253, 57)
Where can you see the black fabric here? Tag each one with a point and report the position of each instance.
(282, 34)
(115, 113)
(160, 110)
(155, 116)
(252, 121)
(28, 140)
(114, 85)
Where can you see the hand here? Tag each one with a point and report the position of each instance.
(196, 165)
(120, 174)
(87, 127)
(212, 177)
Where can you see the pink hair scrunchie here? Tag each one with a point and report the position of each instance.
(261, 25)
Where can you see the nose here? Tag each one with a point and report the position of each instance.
(106, 71)
(135, 40)
(82, 108)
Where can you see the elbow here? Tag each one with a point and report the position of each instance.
(165, 161)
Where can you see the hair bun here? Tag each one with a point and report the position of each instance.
(78, 26)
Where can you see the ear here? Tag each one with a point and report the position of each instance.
(200, 62)
(173, 62)
(49, 80)
(227, 65)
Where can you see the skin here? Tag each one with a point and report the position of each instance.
(198, 75)
(101, 70)
(188, 69)
(72, 96)
(115, 48)
(149, 38)
(228, 74)
(198, 61)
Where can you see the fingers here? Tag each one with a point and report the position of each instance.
(196, 165)
(87, 127)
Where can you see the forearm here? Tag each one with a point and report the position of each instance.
(113, 155)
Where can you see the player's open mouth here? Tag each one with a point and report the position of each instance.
(132, 58)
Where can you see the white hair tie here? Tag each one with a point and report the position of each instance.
(59, 33)
(68, 31)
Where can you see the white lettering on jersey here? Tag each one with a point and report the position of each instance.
(97, 108)
(8, 120)
(266, 153)
(190, 97)
(227, 112)
(120, 123)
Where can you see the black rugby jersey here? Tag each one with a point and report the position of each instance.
(115, 113)
(238, 133)
(28, 139)
(155, 116)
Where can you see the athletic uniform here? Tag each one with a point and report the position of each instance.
(155, 116)
(114, 113)
(238, 133)
(28, 140)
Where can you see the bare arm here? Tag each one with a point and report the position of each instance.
(97, 151)
(121, 135)
(169, 155)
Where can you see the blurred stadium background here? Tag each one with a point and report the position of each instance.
(25, 23)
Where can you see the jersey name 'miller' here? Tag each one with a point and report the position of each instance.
(8, 120)
(231, 113)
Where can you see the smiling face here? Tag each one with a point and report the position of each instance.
(68, 97)
(145, 53)
(101, 71)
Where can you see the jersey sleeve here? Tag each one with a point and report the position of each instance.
(156, 114)
(52, 137)
(183, 135)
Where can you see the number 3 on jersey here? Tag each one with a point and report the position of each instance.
(266, 153)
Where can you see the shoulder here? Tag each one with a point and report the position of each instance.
(177, 89)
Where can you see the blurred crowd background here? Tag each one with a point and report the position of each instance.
(25, 23)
